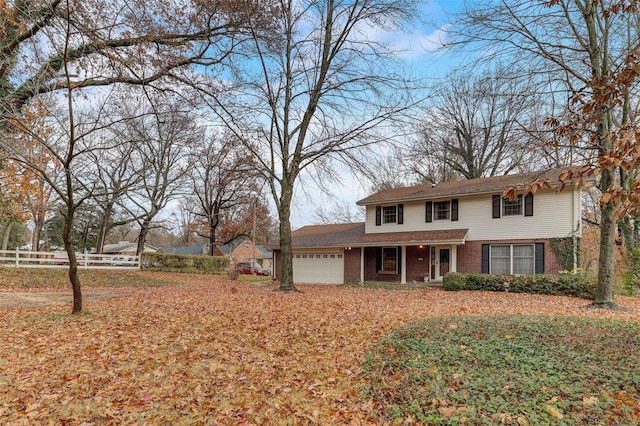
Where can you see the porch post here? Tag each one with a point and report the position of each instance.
(361, 264)
(403, 266)
(454, 258)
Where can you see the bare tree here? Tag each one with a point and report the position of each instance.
(338, 213)
(476, 127)
(222, 178)
(318, 87)
(583, 53)
(163, 134)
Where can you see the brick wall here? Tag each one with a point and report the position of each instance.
(415, 266)
(244, 252)
(352, 265)
(470, 255)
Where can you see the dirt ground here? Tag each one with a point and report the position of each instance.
(11, 299)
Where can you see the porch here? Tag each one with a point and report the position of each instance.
(407, 264)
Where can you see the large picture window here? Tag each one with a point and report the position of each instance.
(516, 259)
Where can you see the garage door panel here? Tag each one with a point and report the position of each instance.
(321, 268)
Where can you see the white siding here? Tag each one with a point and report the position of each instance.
(555, 215)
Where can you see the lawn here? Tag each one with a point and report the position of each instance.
(213, 351)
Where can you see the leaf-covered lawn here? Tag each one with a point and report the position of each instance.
(212, 351)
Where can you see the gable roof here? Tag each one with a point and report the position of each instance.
(461, 187)
(196, 248)
(227, 249)
(350, 234)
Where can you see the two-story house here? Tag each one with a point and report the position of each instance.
(423, 232)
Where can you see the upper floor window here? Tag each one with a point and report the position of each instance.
(505, 207)
(390, 214)
(441, 210)
(512, 207)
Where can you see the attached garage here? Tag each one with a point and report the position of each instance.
(321, 268)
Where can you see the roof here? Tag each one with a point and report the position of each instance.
(352, 234)
(461, 187)
(125, 246)
(227, 249)
(192, 249)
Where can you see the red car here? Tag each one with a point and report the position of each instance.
(245, 268)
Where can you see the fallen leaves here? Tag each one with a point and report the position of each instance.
(218, 352)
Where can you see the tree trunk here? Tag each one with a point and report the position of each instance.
(284, 213)
(7, 234)
(604, 290)
(38, 226)
(73, 264)
(142, 238)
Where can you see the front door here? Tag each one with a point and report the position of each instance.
(444, 255)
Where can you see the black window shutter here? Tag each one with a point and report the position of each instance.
(539, 258)
(485, 258)
(399, 261)
(378, 259)
(528, 204)
(378, 215)
(496, 206)
(400, 214)
(454, 210)
(428, 212)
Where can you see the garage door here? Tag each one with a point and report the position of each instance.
(324, 268)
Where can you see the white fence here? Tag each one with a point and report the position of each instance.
(59, 259)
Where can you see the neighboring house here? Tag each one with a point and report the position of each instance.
(127, 248)
(201, 247)
(422, 232)
(243, 250)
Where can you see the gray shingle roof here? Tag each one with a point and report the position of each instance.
(352, 234)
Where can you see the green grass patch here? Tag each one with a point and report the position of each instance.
(16, 279)
(507, 370)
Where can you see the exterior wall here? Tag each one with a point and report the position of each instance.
(277, 265)
(370, 264)
(555, 215)
(242, 253)
(470, 255)
(418, 263)
(352, 265)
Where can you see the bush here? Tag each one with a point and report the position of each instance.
(185, 263)
(631, 274)
(454, 281)
(564, 284)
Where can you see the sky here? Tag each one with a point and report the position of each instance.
(420, 54)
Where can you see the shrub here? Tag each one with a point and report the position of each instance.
(631, 274)
(185, 263)
(564, 284)
(454, 281)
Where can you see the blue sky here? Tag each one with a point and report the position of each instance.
(421, 56)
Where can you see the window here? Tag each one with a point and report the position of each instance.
(389, 260)
(505, 207)
(516, 259)
(441, 210)
(389, 214)
(512, 207)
